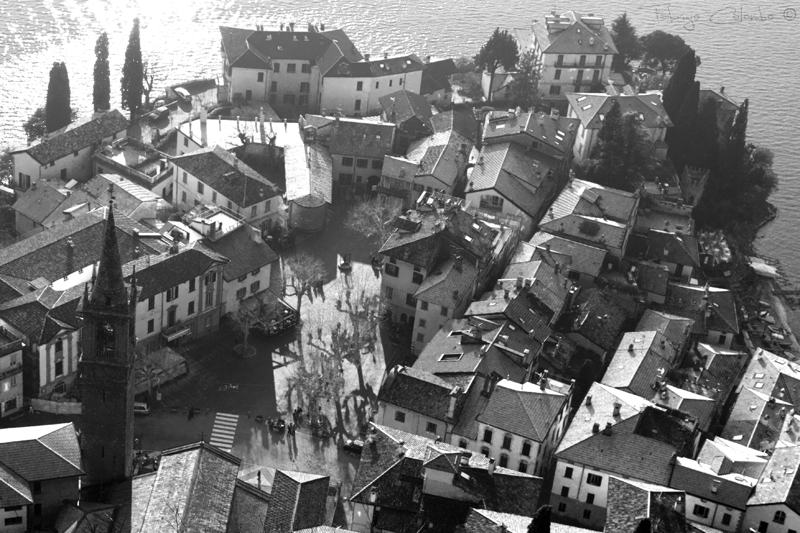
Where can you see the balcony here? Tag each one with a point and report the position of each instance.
(9, 342)
(176, 331)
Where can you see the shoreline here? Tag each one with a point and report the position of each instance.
(786, 315)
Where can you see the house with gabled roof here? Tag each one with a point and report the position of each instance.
(419, 402)
(403, 478)
(436, 78)
(484, 521)
(410, 112)
(284, 68)
(773, 506)
(138, 162)
(756, 420)
(641, 363)
(591, 109)
(630, 501)
(642, 447)
(35, 205)
(594, 322)
(773, 376)
(580, 262)
(66, 154)
(680, 253)
(575, 52)
(40, 466)
(716, 319)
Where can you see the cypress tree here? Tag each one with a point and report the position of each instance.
(132, 73)
(737, 142)
(57, 110)
(609, 152)
(684, 143)
(500, 50)
(101, 95)
(679, 84)
(707, 136)
(541, 520)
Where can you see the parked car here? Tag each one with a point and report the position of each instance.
(183, 94)
(141, 408)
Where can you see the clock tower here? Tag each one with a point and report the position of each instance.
(107, 367)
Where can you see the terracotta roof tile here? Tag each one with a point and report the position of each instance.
(38, 202)
(37, 453)
(417, 391)
(244, 254)
(523, 410)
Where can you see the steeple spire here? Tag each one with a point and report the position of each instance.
(109, 287)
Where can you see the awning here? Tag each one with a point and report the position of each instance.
(176, 334)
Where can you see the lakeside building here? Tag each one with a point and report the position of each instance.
(66, 154)
(138, 162)
(437, 81)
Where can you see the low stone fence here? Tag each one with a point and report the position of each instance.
(59, 408)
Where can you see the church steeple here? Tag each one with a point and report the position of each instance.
(109, 287)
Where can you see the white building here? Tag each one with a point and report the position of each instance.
(11, 377)
(772, 507)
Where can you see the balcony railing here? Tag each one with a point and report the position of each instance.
(9, 342)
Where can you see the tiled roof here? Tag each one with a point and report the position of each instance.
(592, 200)
(554, 131)
(447, 284)
(591, 108)
(474, 404)
(640, 447)
(223, 172)
(523, 409)
(548, 290)
(37, 453)
(462, 121)
(598, 408)
(652, 277)
(38, 202)
(244, 254)
(375, 68)
(234, 42)
(700, 407)
(584, 258)
(361, 138)
(672, 248)
(641, 359)
(297, 501)
(774, 376)
(198, 479)
(249, 509)
(402, 106)
(756, 420)
(597, 317)
(599, 231)
(156, 274)
(732, 490)
(417, 391)
(522, 177)
(440, 155)
(42, 314)
(14, 489)
(309, 171)
(690, 301)
(76, 136)
(628, 501)
(572, 41)
(723, 456)
(435, 76)
(779, 483)
(675, 328)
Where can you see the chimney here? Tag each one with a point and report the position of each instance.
(607, 430)
(366, 57)
(722, 90)
(321, 26)
(505, 294)
(617, 406)
(527, 283)
(519, 282)
(491, 466)
(596, 428)
(386, 55)
(457, 263)
(174, 248)
(451, 409)
(204, 127)
(455, 295)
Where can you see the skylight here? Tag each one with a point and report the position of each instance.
(468, 238)
(602, 117)
(450, 357)
(587, 106)
(581, 99)
(476, 227)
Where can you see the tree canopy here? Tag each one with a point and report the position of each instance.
(35, 126)
(101, 94)
(661, 50)
(627, 43)
(525, 87)
(679, 83)
(132, 72)
(373, 219)
(541, 520)
(57, 109)
(500, 50)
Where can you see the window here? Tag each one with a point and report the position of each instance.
(557, 75)
(305, 87)
(779, 518)
(347, 161)
(288, 99)
(430, 427)
(345, 179)
(276, 68)
(362, 163)
(555, 89)
(360, 86)
(260, 77)
(388, 293)
(377, 84)
(400, 416)
(587, 514)
(255, 286)
(172, 293)
(211, 278)
(390, 83)
(291, 68)
(485, 451)
(701, 511)
(582, 61)
(183, 196)
(185, 143)
(273, 87)
(562, 507)
(444, 311)
(391, 270)
(594, 479)
(37, 487)
(596, 76)
(241, 293)
(13, 508)
(191, 285)
(423, 306)
(565, 492)
(25, 180)
(590, 498)
(302, 99)
(503, 460)
(726, 520)
(151, 326)
(191, 308)
(248, 94)
(200, 187)
(377, 164)
(410, 300)
(256, 272)
(762, 527)
(526, 449)
(560, 61)
(357, 105)
(598, 61)
(487, 435)
(722, 338)
(462, 443)
(523, 467)
(254, 210)
(507, 442)
(420, 337)
(422, 322)
(574, 276)
(400, 81)
(267, 206)
(59, 346)
(11, 520)
(60, 368)
(305, 68)
(214, 196)
(209, 299)
(230, 204)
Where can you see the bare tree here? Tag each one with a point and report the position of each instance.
(304, 271)
(373, 220)
(246, 317)
(152, 75)
(149, 367)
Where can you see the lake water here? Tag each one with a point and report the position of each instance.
(750, 48)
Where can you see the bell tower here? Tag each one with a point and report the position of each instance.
(107, 366)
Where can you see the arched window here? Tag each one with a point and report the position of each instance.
(503, 460)
(523, 467)
(780, 517)
(485, 451)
